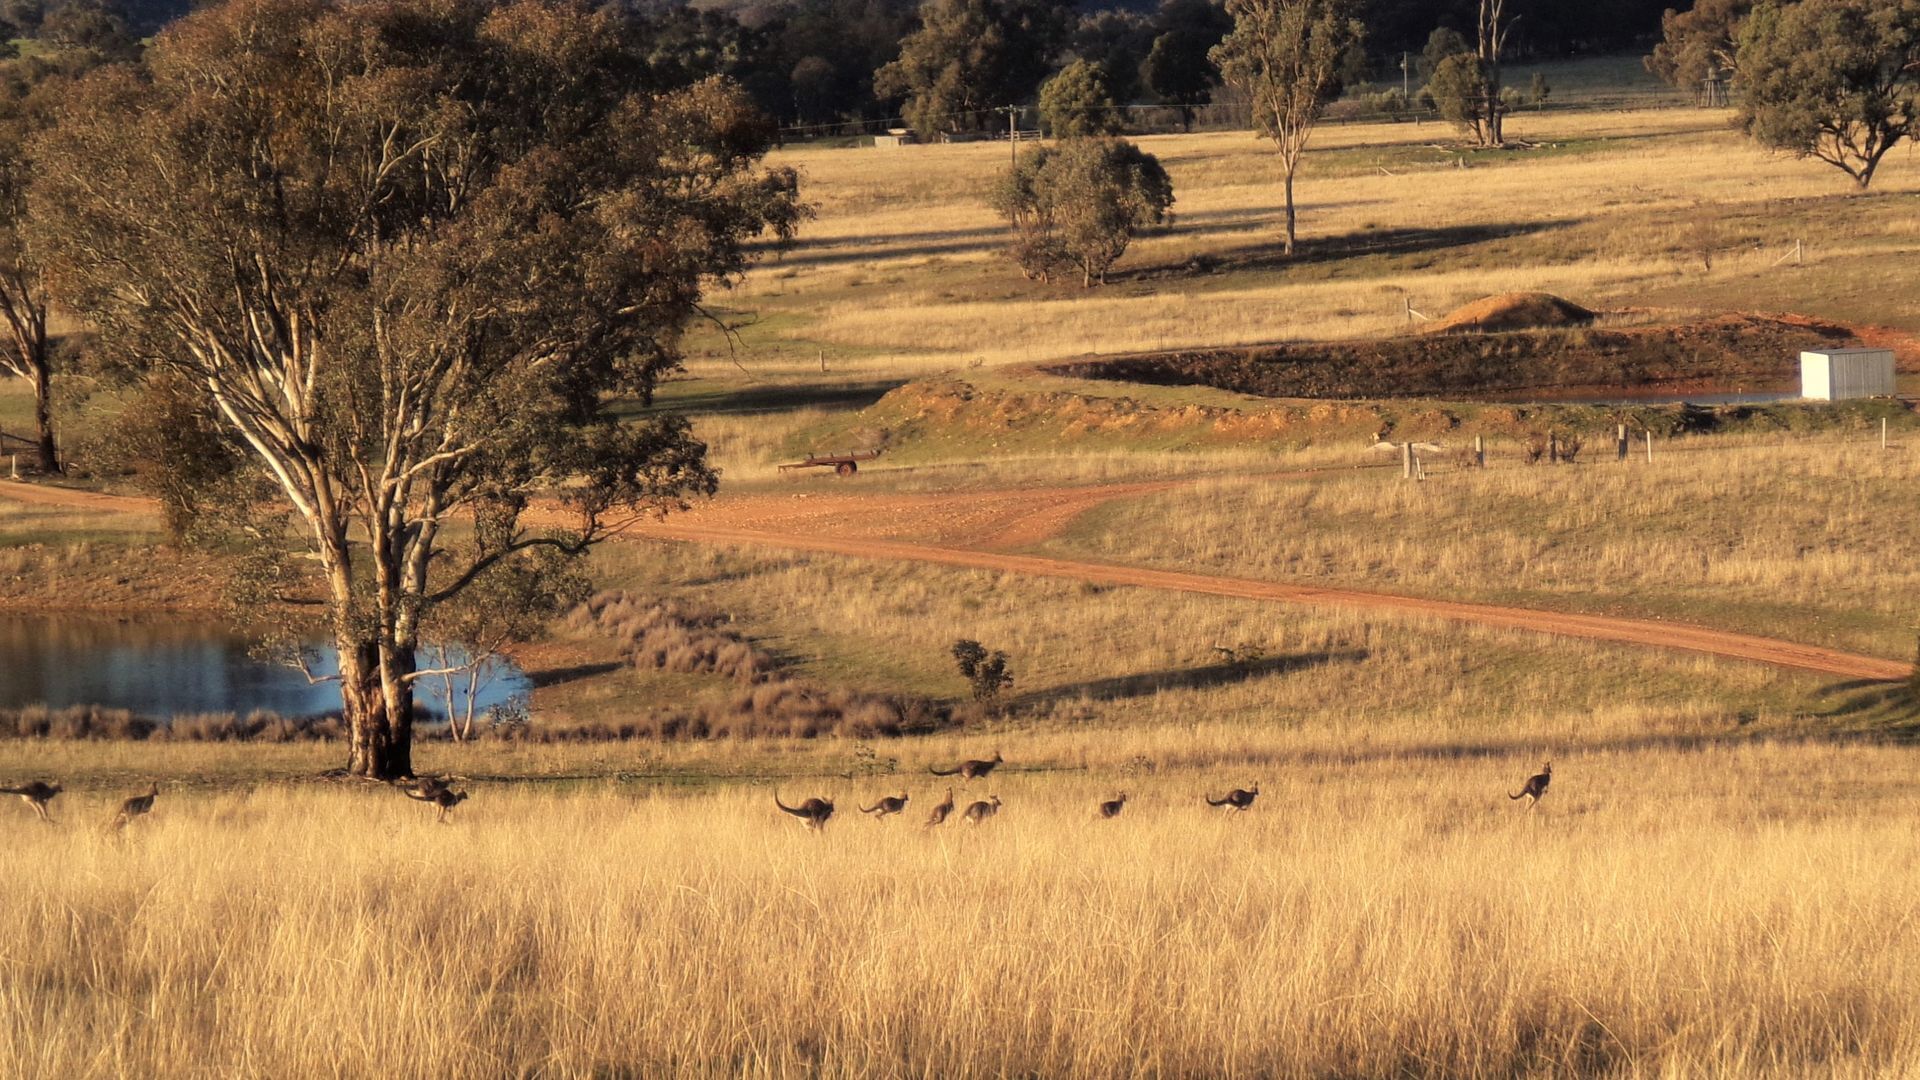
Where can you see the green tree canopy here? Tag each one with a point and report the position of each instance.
(1835, 80)
(1118, 42)
(1459, 92)
(30, 89)
(970, 57)
(1178, 68)
(403, 253)
(1699, 43)
(1080, 204)
(1076, 102)
(1286, 56)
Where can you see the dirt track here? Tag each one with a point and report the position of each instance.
(976, 530)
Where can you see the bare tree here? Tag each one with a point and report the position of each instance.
(1493, 29)
(404, 254)
(28, 89)
(1285, 55)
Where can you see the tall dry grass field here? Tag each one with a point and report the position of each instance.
(1734, 911)
(1812, 533)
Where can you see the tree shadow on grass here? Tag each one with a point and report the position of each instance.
(840, 250)
(546, 677)
(1121, 687)
(723, 399)
(1866, 709)
(1321, 250)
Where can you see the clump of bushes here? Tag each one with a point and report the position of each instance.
(665, 635)
(987, 673)
(96, 722)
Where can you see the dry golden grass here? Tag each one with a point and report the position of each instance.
(1807, 539)
(1733, 912)
(901, 274)
(1091, 660)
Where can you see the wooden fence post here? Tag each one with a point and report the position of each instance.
(1649, 446)
(1479, 453)
(1406, 461)
(1620, 441)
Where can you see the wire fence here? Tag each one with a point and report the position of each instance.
(1229, 114)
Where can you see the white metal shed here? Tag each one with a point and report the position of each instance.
(1839, 374)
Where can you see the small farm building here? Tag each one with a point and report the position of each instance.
(1839, 374)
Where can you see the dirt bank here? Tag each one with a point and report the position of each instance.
(1730, 351)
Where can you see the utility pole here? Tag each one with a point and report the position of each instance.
(1406, 79)
(1013, 133)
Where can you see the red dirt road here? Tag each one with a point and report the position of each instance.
(1594, 627)
(976, 529)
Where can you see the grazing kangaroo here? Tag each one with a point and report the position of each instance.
(892, 804)
(813, 813)
(940, 812)
(37, 793)
(982, 810)
(437, 793)
(135, 807)
(969, 770)
(1238, 798)
(1535, 786)
(1112, 807)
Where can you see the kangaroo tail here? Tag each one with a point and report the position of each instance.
(1211, 801)
(1522, 795)
(943, 772)
(795, 811)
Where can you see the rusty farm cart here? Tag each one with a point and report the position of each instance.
(842, 464)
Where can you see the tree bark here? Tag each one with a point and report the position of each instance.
(379, 713)
(48, 453)
(1292, 218)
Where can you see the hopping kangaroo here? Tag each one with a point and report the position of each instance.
(940, 812)
(1238, 798)
(437, 793)
(892, 804)
(982, 810)
(1535, 786)
(1112, 807)
(37, 793)
(135, 807)
(968, 770)
(813, 813)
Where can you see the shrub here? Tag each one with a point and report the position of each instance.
(1459, 91)
(986, 673)
(1079, 205)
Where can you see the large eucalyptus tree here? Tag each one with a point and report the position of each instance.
(404, 252)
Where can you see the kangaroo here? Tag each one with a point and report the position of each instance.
(891, 804)
(135, 807)
(423, 788)
(982, 810)
(37, 793)
(437, 793)
(1536, 786)
(1112, 807)
(1238, 798)
(969, 770)
(813, 813)
(940, 812)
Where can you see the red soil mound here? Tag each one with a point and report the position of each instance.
(1512, 311)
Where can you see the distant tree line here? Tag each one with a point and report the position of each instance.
(946, 65)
